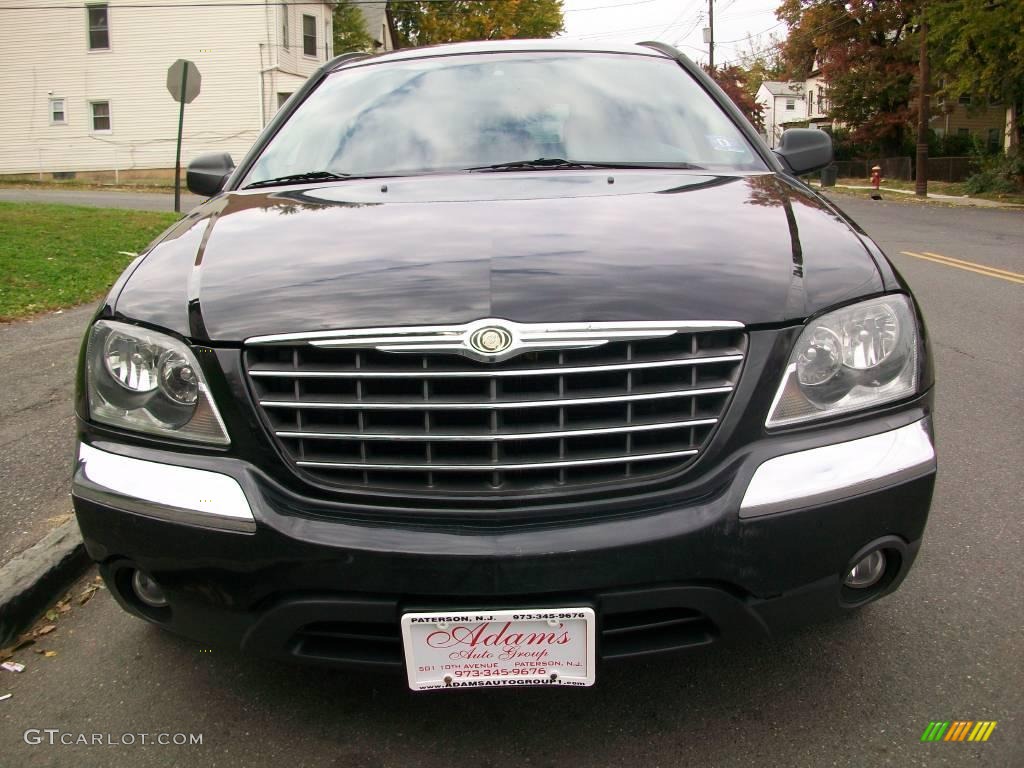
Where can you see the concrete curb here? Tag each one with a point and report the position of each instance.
(37, 576)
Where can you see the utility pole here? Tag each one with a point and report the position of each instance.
(923, 113)
(711, 35)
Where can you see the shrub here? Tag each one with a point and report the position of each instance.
(1002, 174)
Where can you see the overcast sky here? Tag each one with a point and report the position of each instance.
(679, 22)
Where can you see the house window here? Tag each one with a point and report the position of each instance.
(309, 35)
(963, 132)
(284, 26)
(810, 100)
(965, 98)
(327, 37)
(57, 114)
(282, 98)
(99, 27)
(993, 139)
(100, 116)
(790, 104)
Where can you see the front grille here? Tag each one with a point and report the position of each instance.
(622, 635)
(543, 420)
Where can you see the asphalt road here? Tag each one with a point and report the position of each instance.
(100, 198)
(37, 380)
(857, 692)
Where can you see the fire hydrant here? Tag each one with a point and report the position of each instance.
(876, 176)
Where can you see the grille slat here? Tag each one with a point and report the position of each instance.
(543, 420)
(443, 374)
(458, 404)
(502, 466)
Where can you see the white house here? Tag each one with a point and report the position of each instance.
(84, 85)
(817, 102)
(782, 103)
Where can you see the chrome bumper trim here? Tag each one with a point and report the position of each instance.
(165, 491)
(838, 471)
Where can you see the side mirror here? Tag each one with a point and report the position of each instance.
(207, 173)
(804, 150)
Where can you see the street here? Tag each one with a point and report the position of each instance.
(102, 198)
(37, 425)
(855, 692)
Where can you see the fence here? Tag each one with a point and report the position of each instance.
(902, 168)
(950, 168)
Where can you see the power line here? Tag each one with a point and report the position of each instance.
(700, 18)
(776, 44)
(237, 4)
(601, 7)
(756, 34)
(629, 30)
(686, 9)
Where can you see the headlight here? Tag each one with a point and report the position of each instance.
(854, 358)
(148, 381)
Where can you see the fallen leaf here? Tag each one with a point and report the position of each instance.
(49, 654)
(51, 615)
(63, 608)
(45, 630)
(23, 642)
(6, 696)
(87, 593)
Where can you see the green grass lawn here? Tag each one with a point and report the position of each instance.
(54, 256)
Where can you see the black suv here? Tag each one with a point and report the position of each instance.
(490, 362)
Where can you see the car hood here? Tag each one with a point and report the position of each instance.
(528, 247)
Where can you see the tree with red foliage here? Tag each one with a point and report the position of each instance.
(733, 80)
(867, 51)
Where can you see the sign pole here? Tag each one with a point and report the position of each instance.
(177, 154)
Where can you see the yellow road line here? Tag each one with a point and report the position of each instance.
(979, 269)
(1006, 272)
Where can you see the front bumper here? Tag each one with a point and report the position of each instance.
(244, 564)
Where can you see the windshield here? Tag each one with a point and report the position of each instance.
(460, 112)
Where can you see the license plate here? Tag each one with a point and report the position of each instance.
(477, 649)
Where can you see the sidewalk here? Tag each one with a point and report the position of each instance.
(975, 202)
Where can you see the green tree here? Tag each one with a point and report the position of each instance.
(350, 29)
(426, 23)
(978, 46)
(868, 54)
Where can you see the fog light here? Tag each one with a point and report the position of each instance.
(867, 572)
(148, 591)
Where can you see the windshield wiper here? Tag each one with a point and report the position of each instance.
(558, 163)
(296, 178)
(540, 162)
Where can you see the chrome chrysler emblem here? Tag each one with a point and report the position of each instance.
(490, 340)
(493, 339)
